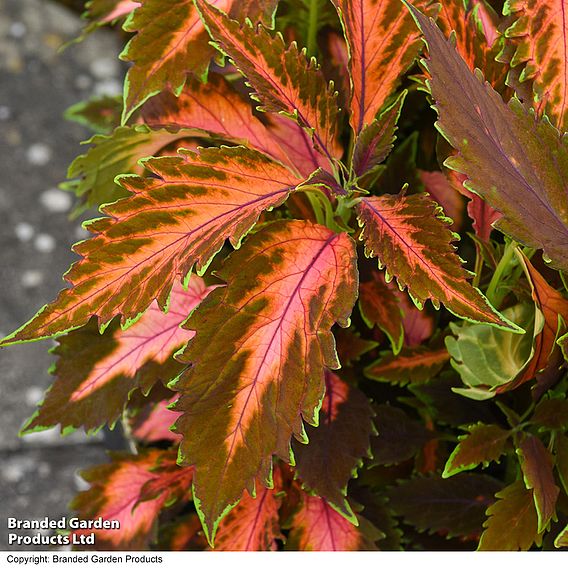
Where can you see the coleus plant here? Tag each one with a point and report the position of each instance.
(251, 198)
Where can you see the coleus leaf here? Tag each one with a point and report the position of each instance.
(561, 455)
(418, 324)
(217, 109)
(294, 146)
(153, 423)
(351, 346)
(482, 444)
(477, 38)
(382, 45)
(105, 11)
(519, 165)
(253, 524)
(380, 306)
(554, 308)
(413, 365)
(399, 436)
(376, 140)
(101, 12)
(282, 78)
(479, 211)
(489, 359)
(258, 357)
(408, 234)
(561, 541)
(170, 43)
(337, 446)
(316, 526)
(512, 520)
(183, 533)
(174, 220)
(100, 114)
(454, 506)
(443, 192)
(118, 490)
(539, 34)
(537, 465)
(92, 175)
(551, 413)
(96, 373)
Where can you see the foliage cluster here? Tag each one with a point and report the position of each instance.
(275, 303)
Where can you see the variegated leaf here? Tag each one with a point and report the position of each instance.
(512, 521)
(120, 492)
(153, 423)
(316, 526)
(96, 374)
(258, 358)
(174, 220)
(409, 236)
(383, 44)
(254, 523)
(217, 109)
(375, 141)
(170, 43)
(413, 365)
(282, 78)
(554, 308)
(337, 446)
(477, 38)
(518, 164)
(482, 444)
(380, 306)
(539, 35)
(537, 467)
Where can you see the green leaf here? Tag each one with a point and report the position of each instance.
(516, 163)
(399, 436)
(512, 520)
(92, 175)
(482, 444)
(537, 467)
(410, 237)
(282, 78)
(337, 446)
(454, 507)
(258, 359)
(488, 358)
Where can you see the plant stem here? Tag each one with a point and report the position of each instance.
(491, 293)
(312, 28)
(478, 267)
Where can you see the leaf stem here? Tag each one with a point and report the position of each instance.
(312, 28)
(503, 264)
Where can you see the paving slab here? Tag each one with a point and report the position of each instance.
(37, 84)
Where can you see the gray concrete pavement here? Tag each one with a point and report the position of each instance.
(37, 84)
